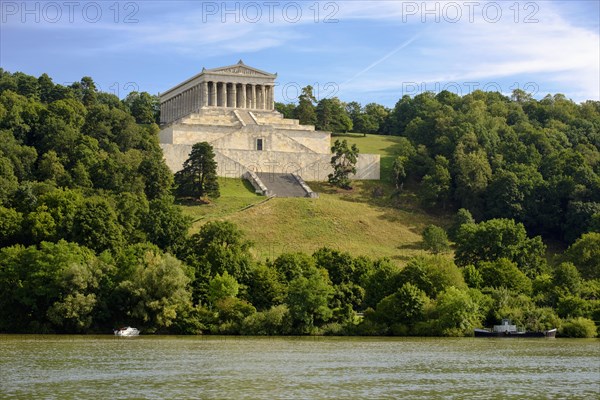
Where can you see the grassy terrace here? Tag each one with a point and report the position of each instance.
(357, 221)
(385, 146)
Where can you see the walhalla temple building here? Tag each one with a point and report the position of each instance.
(233, 109)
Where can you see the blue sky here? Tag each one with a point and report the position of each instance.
(368, 51)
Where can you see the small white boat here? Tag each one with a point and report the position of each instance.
(127, 331)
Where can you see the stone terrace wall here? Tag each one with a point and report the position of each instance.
(310, 166)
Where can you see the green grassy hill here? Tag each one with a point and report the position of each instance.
(386, 225)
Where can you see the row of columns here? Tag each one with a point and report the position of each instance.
(218, 94)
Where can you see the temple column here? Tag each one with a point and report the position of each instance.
(243, 95)
(258, 96)
(227, 94)
(194, 94)
(268, 98)
(263, 100)
(213, 94)
(198, 99)
(228, 100)
(253, 96)
(204, 94)
(221, 95)
(234, 95)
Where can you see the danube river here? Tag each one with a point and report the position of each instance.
(208, 367)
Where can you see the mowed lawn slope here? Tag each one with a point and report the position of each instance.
(369, 220)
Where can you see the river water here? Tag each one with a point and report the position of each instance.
(209, 367)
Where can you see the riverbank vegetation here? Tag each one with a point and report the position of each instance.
(91, 236)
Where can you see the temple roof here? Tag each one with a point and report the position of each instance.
(240, 69)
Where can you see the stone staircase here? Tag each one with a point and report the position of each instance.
(282, 185)
(245, 117)
(276, 120)
(211, 117)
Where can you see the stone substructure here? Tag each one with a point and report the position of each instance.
(232, 109)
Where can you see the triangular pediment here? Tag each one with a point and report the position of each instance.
(241, 69)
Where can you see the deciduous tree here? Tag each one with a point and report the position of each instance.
(435, 239)
(344, 163)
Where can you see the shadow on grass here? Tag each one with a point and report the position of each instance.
(411, 246)
(189, 201)
(248, 186)
(348, 135)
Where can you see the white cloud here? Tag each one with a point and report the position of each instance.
(376, 47)
(552, 49)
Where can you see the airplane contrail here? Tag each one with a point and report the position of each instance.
(382, 59)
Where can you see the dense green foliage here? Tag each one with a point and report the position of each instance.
(534, 161)
(84, 203)
(90, 238)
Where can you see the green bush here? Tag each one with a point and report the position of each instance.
(333, 329)
(435, 239)
(275, 321)
(579, 328)
(371, 328)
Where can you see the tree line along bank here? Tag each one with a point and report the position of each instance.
(91, 237)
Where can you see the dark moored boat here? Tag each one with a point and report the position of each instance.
(508, 330)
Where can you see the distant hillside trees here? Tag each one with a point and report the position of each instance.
(534, 161)
(515, 157)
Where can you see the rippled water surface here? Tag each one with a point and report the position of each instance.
(168, 367)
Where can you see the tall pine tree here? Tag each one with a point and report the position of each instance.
(198, 178)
